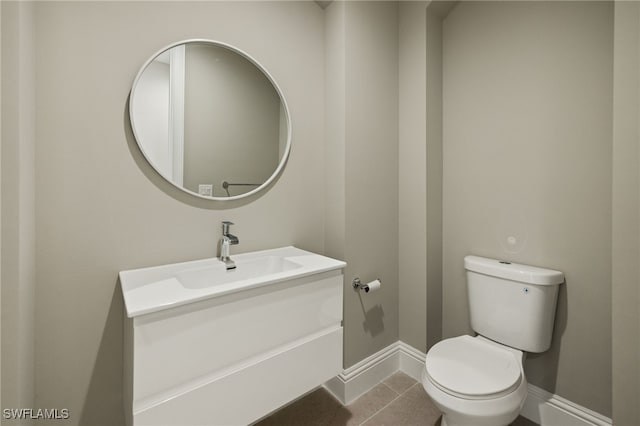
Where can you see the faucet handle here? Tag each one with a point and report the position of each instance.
(225, 226)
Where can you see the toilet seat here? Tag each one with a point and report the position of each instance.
(474, 368)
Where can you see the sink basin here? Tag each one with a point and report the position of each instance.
(157, 288)
(245, 269)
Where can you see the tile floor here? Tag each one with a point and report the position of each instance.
(397, 401)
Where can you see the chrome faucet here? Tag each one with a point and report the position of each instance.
(226, 242)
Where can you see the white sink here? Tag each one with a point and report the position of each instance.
(203, 277)
(153, 289)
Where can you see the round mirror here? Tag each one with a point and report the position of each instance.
(210, 120)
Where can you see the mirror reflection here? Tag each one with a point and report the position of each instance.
(210, 120)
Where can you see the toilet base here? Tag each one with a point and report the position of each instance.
(460, 412)
(444, 422)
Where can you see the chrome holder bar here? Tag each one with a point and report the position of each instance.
(226, 185)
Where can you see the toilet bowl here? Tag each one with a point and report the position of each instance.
(480, 381)
(475, 382)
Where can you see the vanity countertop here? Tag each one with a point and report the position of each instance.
(163, 287)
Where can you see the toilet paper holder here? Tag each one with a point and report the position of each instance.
(358, 285)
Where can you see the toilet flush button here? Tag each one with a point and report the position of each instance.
(512, 241)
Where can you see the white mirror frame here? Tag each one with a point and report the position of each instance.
(287, 149)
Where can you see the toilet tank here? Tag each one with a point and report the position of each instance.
(512, 304)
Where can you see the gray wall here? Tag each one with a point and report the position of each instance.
(420, 171)
(102, 209)
(335, 130)
(1, 116)
(363, 146)
(18, 221)
(626, 215)
(527, 153)
(412, 175)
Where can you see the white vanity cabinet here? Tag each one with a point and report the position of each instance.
(236, 350)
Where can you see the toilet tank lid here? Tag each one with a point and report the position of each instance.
(513, 271)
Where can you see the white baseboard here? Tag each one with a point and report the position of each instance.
(542, 407)
(548, 409)
(363, 376)
(411, 361)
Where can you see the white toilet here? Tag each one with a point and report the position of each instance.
(480, 381)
